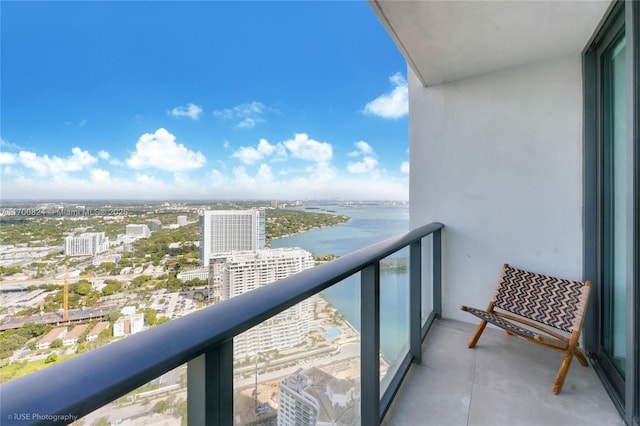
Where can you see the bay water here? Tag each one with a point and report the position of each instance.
(369, 224)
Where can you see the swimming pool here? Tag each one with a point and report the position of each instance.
(332, 332)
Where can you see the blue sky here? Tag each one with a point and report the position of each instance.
(201, 100)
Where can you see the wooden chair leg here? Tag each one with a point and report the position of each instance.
(581, 358)
(477, 334)
(562, 372)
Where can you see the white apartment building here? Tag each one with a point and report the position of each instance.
(230, 230)
(240, 272)
(56, 333)
(86, 244)
(295, 406)
(94, 333)
(199, 273)
(129, 324)
(73, 337)
(315, 397)
(138, 230)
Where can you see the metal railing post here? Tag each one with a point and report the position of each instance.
(415, 300)
(210, 387)
(370, 345)
(437, 273)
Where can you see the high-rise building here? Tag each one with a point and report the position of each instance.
(230, 230)
(137, 230)
(154, 225)
(296, 407)
(86, 244)
(237, 273)
(181, 220)
(315, 397)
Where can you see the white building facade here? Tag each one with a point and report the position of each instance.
(137, 230)
(230, 230)
(314, 397)
(296, 407)
(86, 244)
(198, 273)
(245, 271)
(129, 324)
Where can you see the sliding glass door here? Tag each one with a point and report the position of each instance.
(612, 205)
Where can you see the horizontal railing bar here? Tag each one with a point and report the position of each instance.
(85, 383)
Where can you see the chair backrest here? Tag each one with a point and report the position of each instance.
(548, 300)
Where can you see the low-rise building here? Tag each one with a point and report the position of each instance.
(73, 336)
(129, 324)
(199, 273)
(96, 330)
(56, 333)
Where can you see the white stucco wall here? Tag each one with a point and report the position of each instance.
(498, 159)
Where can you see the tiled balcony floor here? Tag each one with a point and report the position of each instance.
(503, 381)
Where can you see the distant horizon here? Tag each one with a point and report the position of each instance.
(201, 100)
(193, 201)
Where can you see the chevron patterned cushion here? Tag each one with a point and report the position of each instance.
(552, 301)
(499, 321)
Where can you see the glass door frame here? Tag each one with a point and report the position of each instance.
(624, 390)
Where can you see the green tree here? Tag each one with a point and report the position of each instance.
(181, 411)
(150, 316)
(112, 316)
(51, 358)
(160, 406)
(102, 421)
(82, 287)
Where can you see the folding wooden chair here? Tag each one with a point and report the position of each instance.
(531, 306)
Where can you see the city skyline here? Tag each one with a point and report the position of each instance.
(201, 100)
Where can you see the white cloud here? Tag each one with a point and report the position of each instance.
(368, 164)
(404, 167)
(308, 149)
(7, 158)
(319, 181)
(45, 165)
(309, 173)
(104, 155)
(322, 172)
(190, 110)
(99, 175)
(246, 115)
(362, 148)
(248, 155)
(251, 155)
(160, 151)
(394, 104)
(82, 123)
(264, 173)
(8, 145)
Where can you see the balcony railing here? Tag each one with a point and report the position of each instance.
(204, 340)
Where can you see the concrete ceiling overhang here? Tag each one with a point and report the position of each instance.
(452, 40)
